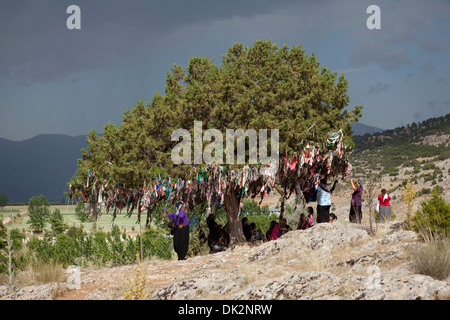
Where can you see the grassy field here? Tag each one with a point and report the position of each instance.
(68, 212)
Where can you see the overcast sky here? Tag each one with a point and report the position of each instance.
(56, 80)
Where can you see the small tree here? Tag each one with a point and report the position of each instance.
(3, 200)
(39, 212)
(3, 246)
(409, 195)
(370, 196)
(433, 218)
(57, 222)
(80, 214)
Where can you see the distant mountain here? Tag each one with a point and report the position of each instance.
(360, 129)
(406, 146)
(411, 133)
(40, 165)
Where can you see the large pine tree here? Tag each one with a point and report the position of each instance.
(260, 87)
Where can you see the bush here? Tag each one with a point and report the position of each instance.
(433, 218)
(99, 248)
(251, 208)
(156, 244)
(80, 213)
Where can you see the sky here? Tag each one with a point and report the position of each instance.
(56, 80)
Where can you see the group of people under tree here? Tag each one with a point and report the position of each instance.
(219, 238)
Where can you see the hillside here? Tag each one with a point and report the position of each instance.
(420, 152)
(337, 261)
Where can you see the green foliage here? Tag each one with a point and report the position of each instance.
(3, 200)
(39, 212)
(156, 244)
(434, 216)
(251, 208)
(263, 221)
(57, 222)
(100, 248)
(3, 258)
(80, 213)
(260, 87)
(19, 260)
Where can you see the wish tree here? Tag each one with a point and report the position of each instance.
(281, 90)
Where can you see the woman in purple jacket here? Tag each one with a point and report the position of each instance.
(356, 204)
(181, 231)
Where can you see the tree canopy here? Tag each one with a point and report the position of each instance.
(260, 87)
(3, 200)
(39, 212)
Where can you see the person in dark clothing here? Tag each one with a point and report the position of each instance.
(284, 227)
(181, 231)
(247, 229)
(257, 235)
(217, 238)
(303, 223)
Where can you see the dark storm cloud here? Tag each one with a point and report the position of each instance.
(386, 57)
(379, 88)
(36, 45)
(403, 23)
(427, 67)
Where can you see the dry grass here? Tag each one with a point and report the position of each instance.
(41, 273)
(249, 273)
(317, 262)
(431, 259)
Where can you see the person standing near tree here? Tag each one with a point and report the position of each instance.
(247, 229)
(181, 231)
(384, 213)
(356, 204)
(324, 200)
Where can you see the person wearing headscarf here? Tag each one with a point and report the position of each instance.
(384, 213)
(181, 231)
(355, 215)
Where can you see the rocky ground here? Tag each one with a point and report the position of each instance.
(327, 262)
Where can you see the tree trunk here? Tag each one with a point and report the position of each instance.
(281, 210)
(232, 200)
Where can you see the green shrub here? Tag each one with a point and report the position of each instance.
(251, 208)
(156, 244)
(57, 222)
(80, 213)
(434, 216)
